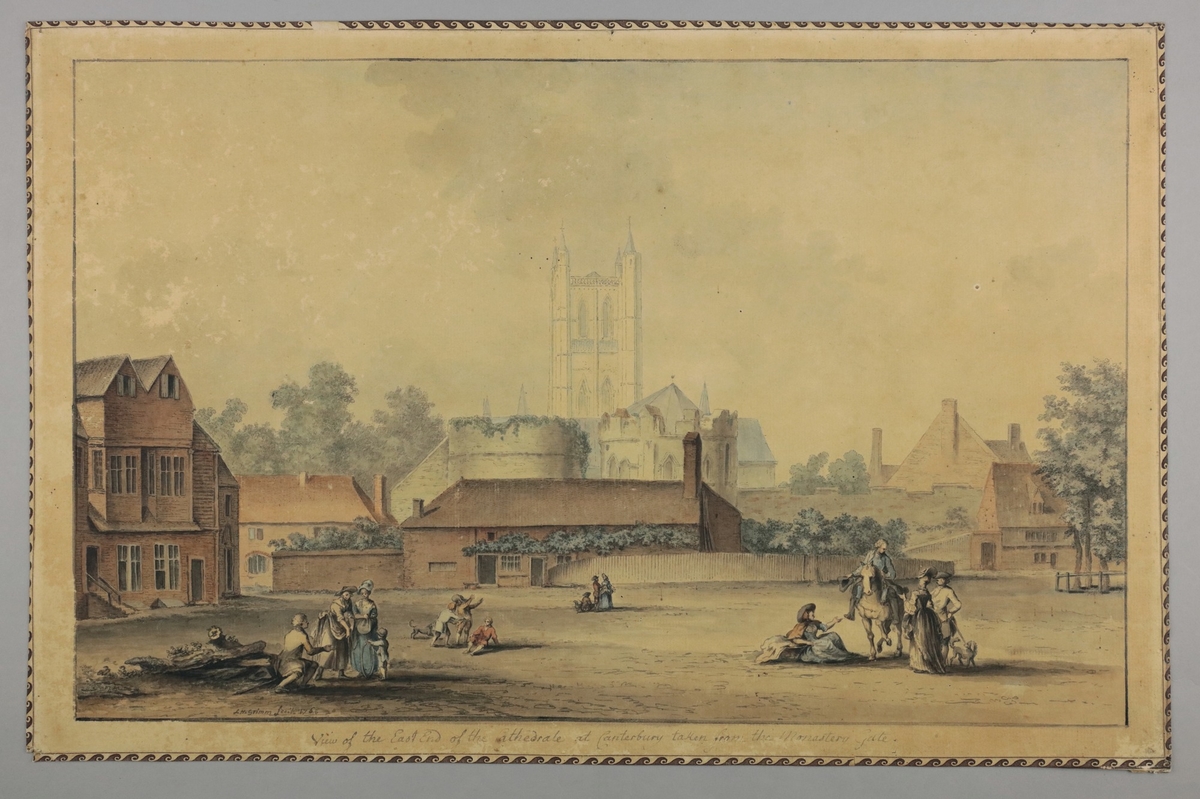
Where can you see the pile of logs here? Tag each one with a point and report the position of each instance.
(221, 658)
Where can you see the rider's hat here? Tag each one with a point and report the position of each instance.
(942, 576)
(931, 573)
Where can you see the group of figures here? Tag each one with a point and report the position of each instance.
(599, 598)
(453, 625)
(348, 636)
(924, 616)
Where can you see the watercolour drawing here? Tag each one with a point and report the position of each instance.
(598, 392)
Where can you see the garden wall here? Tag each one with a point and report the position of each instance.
(331, 569)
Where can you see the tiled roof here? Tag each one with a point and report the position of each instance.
(148, 369)
(1006, 453)
(319, 499)
(752, 444)
(1009, 495)
(670, 401)
(560, 503)
(93, 377)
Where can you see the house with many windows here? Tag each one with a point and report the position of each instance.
(156, 506)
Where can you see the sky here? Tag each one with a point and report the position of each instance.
(830, 246)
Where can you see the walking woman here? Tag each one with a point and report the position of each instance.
(925, 653)
(364, 656)
(335, 628)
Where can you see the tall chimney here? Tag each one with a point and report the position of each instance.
(1014, 436)
(381, 496)
(418, 508)
(875, 468)
(691, 465)
(950, 443)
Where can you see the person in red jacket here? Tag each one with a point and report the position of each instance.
(485, 636)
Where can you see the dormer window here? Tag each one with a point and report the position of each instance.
(126, 387)
(168, 387)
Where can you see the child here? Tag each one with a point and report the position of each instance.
(484, 636)
(584, 605)
(380, 642)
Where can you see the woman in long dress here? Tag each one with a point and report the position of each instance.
(925, 653)
(364, 656)
(335, 629)
(604, 601)
(813, 638)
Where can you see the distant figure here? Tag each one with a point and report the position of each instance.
(335, 629)
(604, 599)
(292, 665)
(880, 559)
(814, 639)
(925, 654)
(483, 637)
(382, 657)
(363, 655)
(945, 605)
(596, 590)
(585, 605)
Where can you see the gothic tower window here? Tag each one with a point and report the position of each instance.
(581, 321)
(612, 466)
(707, 468)
(585, 398)
(668, 468)
(606, 396)
(606, 319)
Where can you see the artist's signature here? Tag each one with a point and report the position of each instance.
(279, 711)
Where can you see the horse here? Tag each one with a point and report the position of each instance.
(881, 616)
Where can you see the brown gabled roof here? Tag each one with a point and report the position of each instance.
(93, 377)
(148, 369)
(201, 439)
(558, 503)
(1009, 494)
(311, 500)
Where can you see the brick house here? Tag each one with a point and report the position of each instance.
(156, 506)
(276, 506)
(472, 511)
(1020, 523)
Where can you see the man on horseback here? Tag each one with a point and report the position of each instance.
(879, 559)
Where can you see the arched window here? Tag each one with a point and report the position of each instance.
(668, 468)
(606, 319)
(606, 396)
(612, 466)
(707, 468)
(623, 470)
(584, 402)
(256, 564)
(725, 474)
(581, 320)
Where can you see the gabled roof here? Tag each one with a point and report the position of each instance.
(224, 476)
(93, 377)
(669, 401)
(148, 369)
(308, 500)
(559, 503)
(201, 439)
(752, 444)
(1006, 453)
(1009, 496)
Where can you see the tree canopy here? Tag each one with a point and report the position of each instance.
(848, 474)
(319, 432)
(1084, 456)
(811, 533)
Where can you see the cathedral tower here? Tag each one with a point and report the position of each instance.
(596, 336)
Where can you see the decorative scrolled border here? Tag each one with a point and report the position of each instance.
(1149, 764)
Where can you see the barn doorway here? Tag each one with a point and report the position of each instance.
(196, 588)
(485, 570)
(537, 572)
(987, 556)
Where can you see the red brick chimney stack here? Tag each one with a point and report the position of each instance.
(691, 465)
(381, 496)
(1014, 436)
(950, 406)
(418, 508)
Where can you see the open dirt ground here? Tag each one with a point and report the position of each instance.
(667, 653)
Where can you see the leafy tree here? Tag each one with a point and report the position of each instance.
(407, 429)
(807, 477)
(222, 426)
(599, 540)
(1084, 457)
(255, 449)
(760, 536)
(366, 533)
(318, 432)
(849, 474)
(957, 518)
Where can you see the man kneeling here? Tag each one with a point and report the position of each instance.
(483, 637)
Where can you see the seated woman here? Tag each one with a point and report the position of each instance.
(811, 638)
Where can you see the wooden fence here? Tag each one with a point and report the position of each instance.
(725, 567)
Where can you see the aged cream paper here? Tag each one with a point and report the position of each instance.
(830, 230)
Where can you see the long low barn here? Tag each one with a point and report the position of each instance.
(475, 511)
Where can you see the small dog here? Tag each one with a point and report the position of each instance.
(425, 632)
(963, 652)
